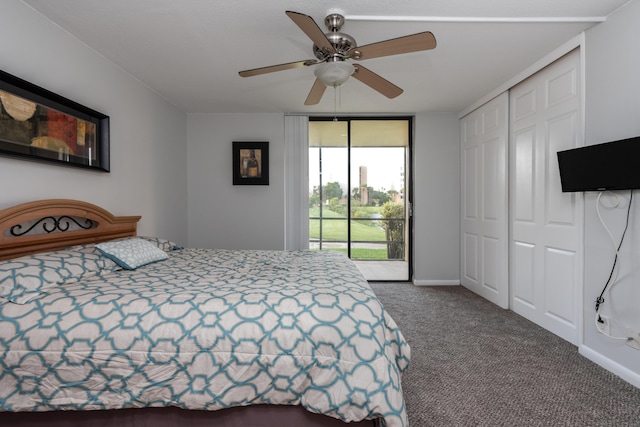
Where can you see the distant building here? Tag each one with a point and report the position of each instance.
(364, 192)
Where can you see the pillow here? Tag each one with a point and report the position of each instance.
(164, 244)
(90, 254)
(22, 279)
(132, 253)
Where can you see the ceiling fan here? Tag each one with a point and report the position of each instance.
(334, 50)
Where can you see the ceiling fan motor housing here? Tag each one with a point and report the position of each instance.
(341, 42)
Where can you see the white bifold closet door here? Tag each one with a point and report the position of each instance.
(521, 237)
(484, 222)
(546, 224)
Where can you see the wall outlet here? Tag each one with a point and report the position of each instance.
(603, 325)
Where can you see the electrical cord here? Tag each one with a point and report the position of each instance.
(616, 246)
(613, 275)
(598, 320)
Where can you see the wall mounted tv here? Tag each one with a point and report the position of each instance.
(610, 166)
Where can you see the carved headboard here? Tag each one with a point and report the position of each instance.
(47, 225)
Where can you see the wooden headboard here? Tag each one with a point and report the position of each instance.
(47, 225)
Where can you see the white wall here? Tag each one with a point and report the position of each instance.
(436, 199)
(148, 159)
(222, 215)
(612, 112)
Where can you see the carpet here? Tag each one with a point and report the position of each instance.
(475, 364)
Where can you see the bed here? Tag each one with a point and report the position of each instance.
(99, 326)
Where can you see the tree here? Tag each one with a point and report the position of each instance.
(378, 197)
(314, 197)
(355, 193)
(393, 225)
(332, 191)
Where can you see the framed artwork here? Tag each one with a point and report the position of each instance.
(36, 124)
(250, 163)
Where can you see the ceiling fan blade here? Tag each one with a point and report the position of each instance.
(273, 68)
(376, 82)
(311, 29)
(315, 95)
(406, 44)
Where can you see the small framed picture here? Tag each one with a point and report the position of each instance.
(250, 163)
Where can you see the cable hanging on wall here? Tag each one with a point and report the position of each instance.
(613, 274)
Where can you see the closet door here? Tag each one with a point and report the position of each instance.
(484, 223)
(546, 224)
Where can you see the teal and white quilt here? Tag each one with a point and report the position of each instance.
(208, 329)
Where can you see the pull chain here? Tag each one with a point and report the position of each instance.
(335, 103)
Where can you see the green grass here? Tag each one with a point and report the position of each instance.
(370, 209)
(357, 253)
(336, 230)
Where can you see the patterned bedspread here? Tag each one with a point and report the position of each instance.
(208, 329)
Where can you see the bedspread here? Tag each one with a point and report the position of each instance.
(209, 329)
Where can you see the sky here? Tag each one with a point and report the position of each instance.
(385, 166)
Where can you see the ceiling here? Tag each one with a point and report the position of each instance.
(190, 51)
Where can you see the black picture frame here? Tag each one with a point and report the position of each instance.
(37, 124)
(250, 163)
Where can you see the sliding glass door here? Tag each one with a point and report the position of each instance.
(359, 198)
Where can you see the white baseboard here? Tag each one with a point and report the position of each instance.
(626, 374)
(436, 282)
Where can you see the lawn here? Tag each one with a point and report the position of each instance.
(358, 253)
(334, 228)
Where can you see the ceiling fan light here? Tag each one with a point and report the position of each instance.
(333, 74)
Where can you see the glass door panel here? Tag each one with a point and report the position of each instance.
(358, 187)
(328, 176)
(377, 188)
(379, 158)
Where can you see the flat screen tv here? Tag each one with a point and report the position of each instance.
(610, 166)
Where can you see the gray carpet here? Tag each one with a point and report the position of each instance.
(474, 364)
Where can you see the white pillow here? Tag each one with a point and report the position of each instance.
(132, 253)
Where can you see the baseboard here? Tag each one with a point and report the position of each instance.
(436, 282)
(626, 374)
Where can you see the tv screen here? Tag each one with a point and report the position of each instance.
(609, 166)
